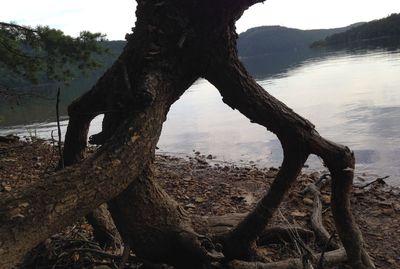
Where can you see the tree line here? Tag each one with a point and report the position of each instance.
(374, 32)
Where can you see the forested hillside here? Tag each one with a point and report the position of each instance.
(383, 30)
(271, 39)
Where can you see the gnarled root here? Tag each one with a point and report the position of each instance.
(104, 230)
(157, 228)
(316, 220)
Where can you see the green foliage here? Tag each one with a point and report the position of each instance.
(43, 53)
(383, 31)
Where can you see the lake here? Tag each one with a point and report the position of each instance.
(353, 98)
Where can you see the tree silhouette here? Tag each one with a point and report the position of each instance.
(174, 43)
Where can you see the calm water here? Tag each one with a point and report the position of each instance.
(352, 98)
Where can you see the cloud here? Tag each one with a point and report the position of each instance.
(115, 18)
(312, 14)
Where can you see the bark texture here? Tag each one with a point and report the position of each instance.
(174, 43)
(104, 230)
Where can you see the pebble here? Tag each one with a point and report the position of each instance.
(190, 206)
(226, 168)
(388, 211)
(326, 199)
(299, 214)
(391, 261)
(7, 188)
(199, 200)
(308, 201)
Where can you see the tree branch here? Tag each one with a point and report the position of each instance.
(5, 25)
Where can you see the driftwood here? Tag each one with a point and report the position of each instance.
(330, 259)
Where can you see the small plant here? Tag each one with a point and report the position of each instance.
(32, 134)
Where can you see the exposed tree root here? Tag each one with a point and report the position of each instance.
(316, 220)
(218, 226)
(104, 230)
(164, 233)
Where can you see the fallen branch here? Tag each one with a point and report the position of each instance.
(331, 258)
(380, 180)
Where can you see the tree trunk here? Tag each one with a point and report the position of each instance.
(157, 228)
(174, 43)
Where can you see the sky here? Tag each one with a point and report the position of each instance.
(115, 18)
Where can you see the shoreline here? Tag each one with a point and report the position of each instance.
(371, 163)
(361, 178)
(206, 189)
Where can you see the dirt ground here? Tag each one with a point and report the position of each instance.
(205, 186)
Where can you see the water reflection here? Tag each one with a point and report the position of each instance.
(351, 97)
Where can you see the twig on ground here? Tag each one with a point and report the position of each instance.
(380, 180)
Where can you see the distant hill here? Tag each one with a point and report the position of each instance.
(384, 31)
(275, 39)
